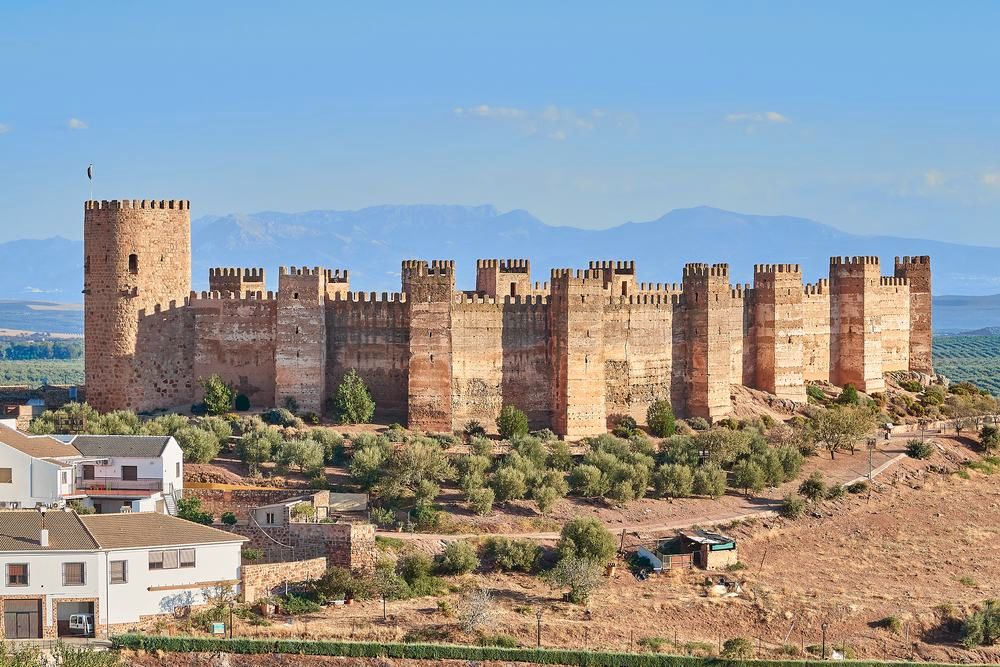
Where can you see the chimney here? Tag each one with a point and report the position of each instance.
(43, 537)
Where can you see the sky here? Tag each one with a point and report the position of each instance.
(877, 118)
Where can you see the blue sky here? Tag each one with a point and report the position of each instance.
(874, 117)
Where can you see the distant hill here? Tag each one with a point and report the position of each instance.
(40, 316)
(971, 315)
(372, 241)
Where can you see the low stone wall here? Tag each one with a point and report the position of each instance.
(350, 545)
(240, 501)
(260, 580)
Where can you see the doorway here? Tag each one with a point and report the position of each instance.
(22, 619)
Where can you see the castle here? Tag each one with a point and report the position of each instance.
(570, 352)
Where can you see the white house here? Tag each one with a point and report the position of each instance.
(112, 569)
(110, 473)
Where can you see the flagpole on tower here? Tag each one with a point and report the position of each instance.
(90, 177)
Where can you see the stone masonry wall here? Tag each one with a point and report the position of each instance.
(260, 580)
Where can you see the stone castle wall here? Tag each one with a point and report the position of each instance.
(573, 353)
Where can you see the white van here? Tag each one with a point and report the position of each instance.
(81, 624)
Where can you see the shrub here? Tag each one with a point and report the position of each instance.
(251, 555)
(513, 555)
(426, 516)
(835, 491)
(481, 446)
(709, 480)
(198, 445)
(228, 518)
(546, 497)
(382, 516)
(353, 402)
(458, 558)
(982, 628)
(989, 437)
(625, 426)
(509, 484)
(190, 509)
(698, 423)
(511, 422)
(481, 500)
(813, 488)
(748, 476)
(474, 429)
(282, 417)
(660, 419)
(294, 605)
(860, 486)
(849, 395)
(217, 426)
(919, 449)
(580, 575)
(586, 538)
(219, 396)
(737, 648)
(242, 403)
(891, 623)
(793, 506)
(168, 424)
(332, 444)
(588, 481)
(415, 566)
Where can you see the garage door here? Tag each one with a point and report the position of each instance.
(22, 619)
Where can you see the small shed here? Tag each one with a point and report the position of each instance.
(712, 550)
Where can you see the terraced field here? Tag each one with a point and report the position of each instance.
(972, 358)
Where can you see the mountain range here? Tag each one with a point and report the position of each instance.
(371, 242)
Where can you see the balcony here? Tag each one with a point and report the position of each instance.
(119, 488)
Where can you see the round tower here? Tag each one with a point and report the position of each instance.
(137, 255)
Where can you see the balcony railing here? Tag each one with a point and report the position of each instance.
(149, 486)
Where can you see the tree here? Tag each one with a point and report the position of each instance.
(353, 403)
(366, 466)
(989, 437)
(737, 648)
(190, 508)
(709, 480)
(480, 500)
(476, 610)
(70, 418)
(588, 481)
(813, 488)
(219, 396)
(660, 419)
(511, 422)
(509, 484)
(673, 480)
(458, 558)
(586, 538)
(839, 428)
(546, 498)
(198, 445)
(792, 507)
(580, 575)
(513, 555)
(417, 461)
(257, 445)
(168, 424)
(748, 476)
(306, 454)
(217, 426)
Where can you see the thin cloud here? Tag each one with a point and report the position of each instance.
(934, 178)
(4, 128)
(76, 124)
(758, 117)
(992, 179)
(552, 122)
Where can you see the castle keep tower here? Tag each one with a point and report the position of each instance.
(708, 300)
(856, 323)
(778, 326)
(429, 291)
(137, 256)
(917, 271)
(300, 338)
(503, 277)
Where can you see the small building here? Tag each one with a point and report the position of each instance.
(109, 473)
(702, 548)
(108, 570)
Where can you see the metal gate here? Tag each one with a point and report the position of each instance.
(22, 619)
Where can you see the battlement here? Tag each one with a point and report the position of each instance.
(892, 281)
(304, 271)
(619, 267)
(370, 297)
(701, 270)
(920, 259)
(577, 274)
(659, 287)
(859, 260)
(162, 309)
(821, 286)
(217, 295)
(660, 299)
(337, 276)
(250, 275)
(437, 267)
(117, 204)
(505, 265)
(766, 269)
(541, 287)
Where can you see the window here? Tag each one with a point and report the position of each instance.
(74, 574)
(163, 560)
(269, 518)
(133, 263)
(513, 289)
(119, 572)
(130, 473)
(155, 560)
(88, 472)
(187, 558)
(63, 477)
(17, 574)
(6, 475)
(178, 466)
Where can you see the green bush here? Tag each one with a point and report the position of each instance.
(458, 558)
(382, 516)
(815, 393)
(198, 445)
(793, 507)
(660, 419)
(849, 395)
(709, 480)
(673, 480)
(586, 538)
(480, 500)
(982, 628)
(511, 422)
(228, 518)
(511, 555)
(252, 554)
(737, 648)
(473, 428)
(294, 605)
(860, 486)
(813, 488)
(919, 449)
(190, 509)
(625, 426)
(242, 403)
(219, 396)
(282, 417)
(353, 402)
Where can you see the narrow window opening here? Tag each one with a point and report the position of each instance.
(295, 295)
(513, 289)
(133, 263)
(624, 289)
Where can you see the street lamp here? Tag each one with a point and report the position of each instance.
(538, 630)
(824, 626)
(872, 445)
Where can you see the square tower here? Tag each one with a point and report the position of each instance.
(300, 338)
(429, 292)
(708, 299)
(856, 323)
(777, 321)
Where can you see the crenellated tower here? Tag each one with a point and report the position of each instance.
(429, 290)
(238, 281)
(856, 323)
(917, 272)
(708, 299)
(777, 325)
(300, 338)
(503, 277)
(137, 256)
